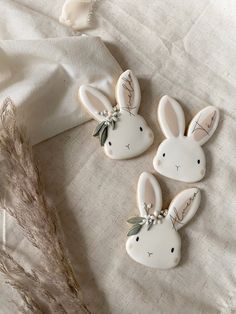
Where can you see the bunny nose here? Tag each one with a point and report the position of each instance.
(149, 254)
(177, 167)
(128, 146)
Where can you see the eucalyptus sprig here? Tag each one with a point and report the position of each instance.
(101, 129)
(138, 222)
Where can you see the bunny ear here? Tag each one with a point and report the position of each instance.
(204, 124)
(128, 93)
(171, 117)
(183, 207)
(94, 101)
(149, 193)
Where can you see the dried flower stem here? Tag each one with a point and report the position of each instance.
(26, 201)
(10, 269)
(16, 274)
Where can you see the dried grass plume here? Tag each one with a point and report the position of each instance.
(25, 199)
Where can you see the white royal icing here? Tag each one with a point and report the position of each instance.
(131, 135)
(157, 244)
(181, 157)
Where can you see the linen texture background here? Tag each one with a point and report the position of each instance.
(183, 49)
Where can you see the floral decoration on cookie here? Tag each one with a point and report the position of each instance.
(122, 131)
(153, 239)
(181, 157)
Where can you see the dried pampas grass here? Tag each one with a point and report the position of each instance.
(24, 282)
(25, 200)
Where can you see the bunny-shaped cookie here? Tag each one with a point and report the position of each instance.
(181, 157)
(153, 238)
(123, 133)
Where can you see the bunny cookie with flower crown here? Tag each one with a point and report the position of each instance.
(122, 131)
(181, 157)
(153, 238)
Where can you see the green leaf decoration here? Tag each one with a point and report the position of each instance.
(103, 134)
(134, 230)
(98, 128)
(135, 220)
(113, 124)
(101, 130)
(150, 225)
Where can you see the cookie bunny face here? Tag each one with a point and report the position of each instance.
(131, 138)
(181, 157)
(153, 238)
(122, 131)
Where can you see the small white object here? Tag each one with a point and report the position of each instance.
(76, 13)
(181, 157)
(160, 246)
(131, 136)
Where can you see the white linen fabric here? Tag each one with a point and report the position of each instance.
(185, 49)
(43, 77)
(42, 68)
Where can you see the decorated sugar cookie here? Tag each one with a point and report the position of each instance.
(121, 130)
(181, 157)
(153, 239)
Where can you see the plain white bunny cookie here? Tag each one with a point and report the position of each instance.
(181, 157)
(153, 239)
(122, 131)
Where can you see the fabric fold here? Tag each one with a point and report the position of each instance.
(42, 77)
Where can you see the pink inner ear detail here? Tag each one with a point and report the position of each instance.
(128, 89)
(171, 119)
(202, 129)
(149, 195)
(97, 103)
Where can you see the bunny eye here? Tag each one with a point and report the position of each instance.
(137, 239)
(172, 250)
(198, 161)
(109, 143)
(141, 129)
(163, 155)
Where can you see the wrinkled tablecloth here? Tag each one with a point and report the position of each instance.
(182, 48)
